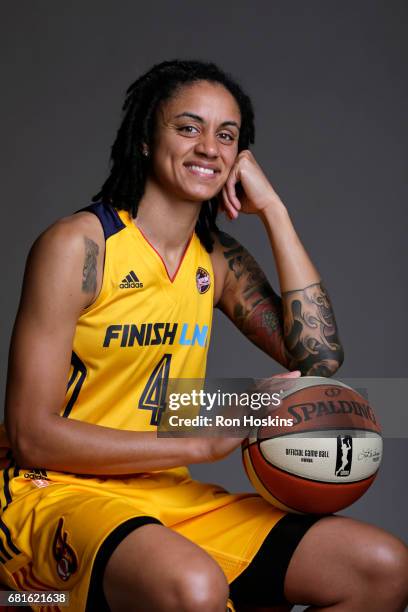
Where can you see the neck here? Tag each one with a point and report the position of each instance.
(167, 221)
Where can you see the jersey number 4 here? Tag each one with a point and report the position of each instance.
(154, 394)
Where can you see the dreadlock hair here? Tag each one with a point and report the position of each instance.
(125, 185)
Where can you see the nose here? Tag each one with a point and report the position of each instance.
(207, 145)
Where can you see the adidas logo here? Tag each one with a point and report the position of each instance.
(130, 282)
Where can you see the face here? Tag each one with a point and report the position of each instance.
(196, 141)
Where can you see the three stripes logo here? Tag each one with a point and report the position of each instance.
(131, 282)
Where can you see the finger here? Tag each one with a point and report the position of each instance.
(228, 207)
(230, 186)
(293, 374)
(275, 381)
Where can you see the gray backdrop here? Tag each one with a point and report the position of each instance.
(328, 81)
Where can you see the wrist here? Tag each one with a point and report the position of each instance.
(199, 451)
(273, 213)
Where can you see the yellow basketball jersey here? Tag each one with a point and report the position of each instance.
(143, 329)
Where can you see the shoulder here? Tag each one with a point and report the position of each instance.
(69, 250)
(70, 233)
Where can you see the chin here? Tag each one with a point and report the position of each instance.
(201, 195)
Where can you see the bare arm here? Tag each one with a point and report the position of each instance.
(62, 277)
(298, 329)
(310, 330)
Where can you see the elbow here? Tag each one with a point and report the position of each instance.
(26, 451)
(24, 455)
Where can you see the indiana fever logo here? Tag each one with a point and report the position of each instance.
(64, 554)
(203, 281)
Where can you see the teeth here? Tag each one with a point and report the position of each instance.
(203, 170)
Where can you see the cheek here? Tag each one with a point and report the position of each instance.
(162, 160)
(232, 154)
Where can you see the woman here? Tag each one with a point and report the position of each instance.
(117, 299)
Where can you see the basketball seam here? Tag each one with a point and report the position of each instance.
(321, 429)
(270, 492)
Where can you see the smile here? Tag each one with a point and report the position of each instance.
(201, 171)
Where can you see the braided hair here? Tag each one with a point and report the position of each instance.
(125, 184)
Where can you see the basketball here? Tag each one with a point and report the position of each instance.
(323, 455)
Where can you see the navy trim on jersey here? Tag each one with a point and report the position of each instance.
(10, 543)
(78, 368)
(6, 488)
(108, 216)
(96, 601)
(4, 552)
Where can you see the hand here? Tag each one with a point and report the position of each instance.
(273, 382)
(216, 448)
(254, 192)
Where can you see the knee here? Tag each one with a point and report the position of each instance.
(385, 568)
(201, 587)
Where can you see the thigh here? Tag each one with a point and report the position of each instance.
(160, 570)
(233, 533)
(52, 536)
(342, 558)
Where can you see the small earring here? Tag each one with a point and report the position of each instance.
(145, 152)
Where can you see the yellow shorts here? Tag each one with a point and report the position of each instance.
(53, 524)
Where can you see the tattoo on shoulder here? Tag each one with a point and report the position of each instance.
(89, 270)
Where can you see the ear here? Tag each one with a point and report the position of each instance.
(145, 150)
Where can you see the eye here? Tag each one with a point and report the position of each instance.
(226, 136)
(189, 130)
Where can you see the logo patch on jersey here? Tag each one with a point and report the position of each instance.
(64, 554)
(203, 280)
(36, 474)
(130, 282)
(38, 477)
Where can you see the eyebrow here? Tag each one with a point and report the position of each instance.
(201, 120)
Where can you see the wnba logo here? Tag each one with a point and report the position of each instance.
(344, 455)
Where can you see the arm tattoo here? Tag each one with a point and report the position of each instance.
(298, 330)
(256, 309)
(89, 270)
(310, 330)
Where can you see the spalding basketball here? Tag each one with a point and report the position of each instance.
(323, 454)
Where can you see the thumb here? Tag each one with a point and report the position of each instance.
(293, 374)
